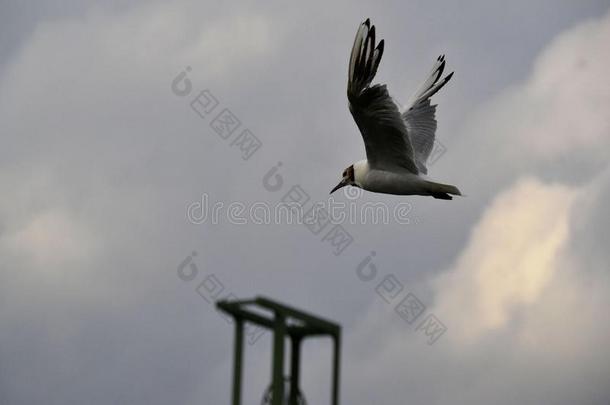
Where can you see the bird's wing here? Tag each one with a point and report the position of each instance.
(419, 116)
(377, 116)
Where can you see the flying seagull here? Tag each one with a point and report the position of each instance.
(397, 143)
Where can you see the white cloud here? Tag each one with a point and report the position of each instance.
(87, 102)
(51, 239)
(76, 57)
(525, 299)
(525, 315)
(557, 119)
(568, 95)
(554, 124)
(510, 259)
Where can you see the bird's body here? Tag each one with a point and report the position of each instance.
(397, 143)
(399, 182)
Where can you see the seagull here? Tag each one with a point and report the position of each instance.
(398, 143)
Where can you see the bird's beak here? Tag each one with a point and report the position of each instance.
(343, 183)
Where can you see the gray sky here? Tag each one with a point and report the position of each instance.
(100, 160)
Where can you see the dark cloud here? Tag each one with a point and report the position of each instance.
(101, 160)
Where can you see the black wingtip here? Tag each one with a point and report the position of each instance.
(441, 68)
(449, 76)
(368, 22)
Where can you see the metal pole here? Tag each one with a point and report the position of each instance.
(239, 344)
(278, 359)
(336, 366)
(295, 365)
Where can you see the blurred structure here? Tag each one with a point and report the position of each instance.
(284, 322)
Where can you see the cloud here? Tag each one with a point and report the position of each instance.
(557, 119)
(524, 299)
(523, 306)
(103, 158)
(52, 238)
(554, 124)
(567, 98)
(510, 258)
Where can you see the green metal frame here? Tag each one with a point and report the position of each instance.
(303, 325)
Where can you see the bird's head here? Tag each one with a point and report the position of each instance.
(347, 180)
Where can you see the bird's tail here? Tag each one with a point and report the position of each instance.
(442, 191)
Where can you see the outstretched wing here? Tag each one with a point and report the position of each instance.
(419, 116)
(377, 116)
